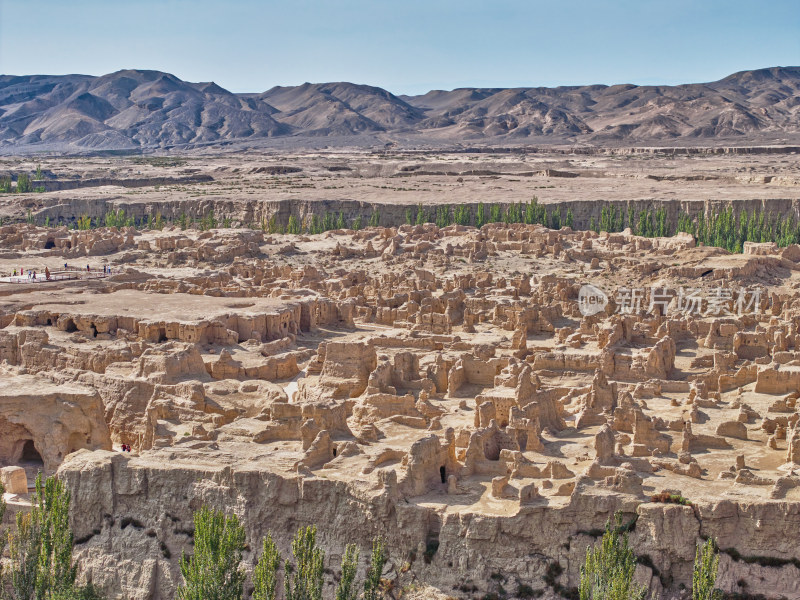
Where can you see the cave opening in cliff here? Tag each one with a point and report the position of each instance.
(162, 335)
(49, 244)
(30, 454)
(93, 327)
(69, 326)
(443, 474)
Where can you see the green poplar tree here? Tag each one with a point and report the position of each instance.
(704, 578)
(213, 572)
(372, 583)
(346, 589)
(608, 571)
(480, 220)
(304, 579)
(265, 575)
(40, 550)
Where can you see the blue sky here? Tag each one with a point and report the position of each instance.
(405, 46)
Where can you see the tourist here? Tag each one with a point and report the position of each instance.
(47, 273)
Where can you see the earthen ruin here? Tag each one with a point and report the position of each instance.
(439, 386)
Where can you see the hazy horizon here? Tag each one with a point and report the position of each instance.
(248, 46)
(591, 83)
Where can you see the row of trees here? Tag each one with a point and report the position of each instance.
(40, 549)
(118, 218)
(646, 222)
(724, 229)
(607, 573)
(214, 571)
(320, 224)
(25, 183)
(40, 565)
(730, 231)
(531, 213)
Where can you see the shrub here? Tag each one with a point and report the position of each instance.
(667, 498)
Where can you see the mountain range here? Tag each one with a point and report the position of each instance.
(140, 109)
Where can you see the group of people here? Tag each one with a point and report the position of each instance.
(126, 448)
(32, 274)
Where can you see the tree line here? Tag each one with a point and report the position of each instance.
(40, 565)
(25, 184)
(214, 571)
(725, 228)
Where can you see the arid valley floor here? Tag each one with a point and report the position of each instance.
(443, 386)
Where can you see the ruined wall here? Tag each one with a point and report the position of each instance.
(132, 518)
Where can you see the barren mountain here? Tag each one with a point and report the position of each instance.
(134, 109)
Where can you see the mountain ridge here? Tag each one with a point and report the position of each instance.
(135, 109)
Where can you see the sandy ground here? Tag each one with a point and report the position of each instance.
(412, 178)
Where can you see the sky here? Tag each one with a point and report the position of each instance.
(405, 46)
